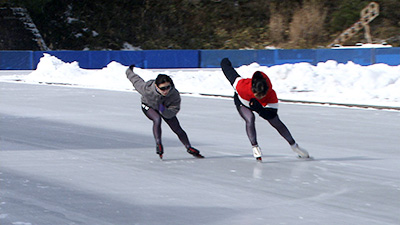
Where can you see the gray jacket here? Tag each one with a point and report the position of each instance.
(152, 98)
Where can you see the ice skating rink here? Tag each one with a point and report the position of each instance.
(84, 156)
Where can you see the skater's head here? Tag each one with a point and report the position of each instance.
(259, 85)
(163, 84)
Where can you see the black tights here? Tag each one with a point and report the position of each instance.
(173, 123)
(249, 118)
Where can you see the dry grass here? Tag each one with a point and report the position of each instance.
(307, 24)
(278, 26)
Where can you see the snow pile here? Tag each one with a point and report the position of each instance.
(329, 81)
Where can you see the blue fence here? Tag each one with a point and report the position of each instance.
(28, 60)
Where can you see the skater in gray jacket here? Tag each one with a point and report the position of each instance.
(161, 101)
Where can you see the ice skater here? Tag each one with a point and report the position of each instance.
(161, 101)
(256, 94)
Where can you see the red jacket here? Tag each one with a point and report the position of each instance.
(243, 88)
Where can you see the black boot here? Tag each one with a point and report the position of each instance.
(194, 152)
(160, 150)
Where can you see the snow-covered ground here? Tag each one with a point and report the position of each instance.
(328, 82)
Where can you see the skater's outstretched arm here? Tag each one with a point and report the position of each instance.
(135, 79)
(229, 72)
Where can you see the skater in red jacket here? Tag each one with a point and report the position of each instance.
(161, 101)
(256, 94)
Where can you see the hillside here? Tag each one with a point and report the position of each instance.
(204, 24)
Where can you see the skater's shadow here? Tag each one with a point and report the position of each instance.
(353, 158)
(276, 158)
(210, 157)
(342, 159)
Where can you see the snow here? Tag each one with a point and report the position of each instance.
(327, 82)
(361, 45)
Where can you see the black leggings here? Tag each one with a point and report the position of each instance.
(173, 123)
(248, 116)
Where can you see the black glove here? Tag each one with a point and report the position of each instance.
(132, 66)
(225, 61)
(256, 105)
(266, 113)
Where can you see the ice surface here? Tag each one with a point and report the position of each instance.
(87, 156)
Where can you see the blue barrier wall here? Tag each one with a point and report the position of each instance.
(295, 56)
(212, 58)
(388, 56)
(28, 60)
(94, 59)
(362, 57)
(16, 60)
(171, 59)
(144, 59)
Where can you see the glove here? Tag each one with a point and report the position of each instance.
(256, 105)
(161, 108)
(225, 61)
(132, 66)
(266, 113)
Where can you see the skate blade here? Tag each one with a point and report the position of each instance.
(305, 158)
(198, 156)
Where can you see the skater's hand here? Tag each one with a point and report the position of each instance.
(132, 66)
(161, 108)
(225, 61)
(256, 105)
(266, 113)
